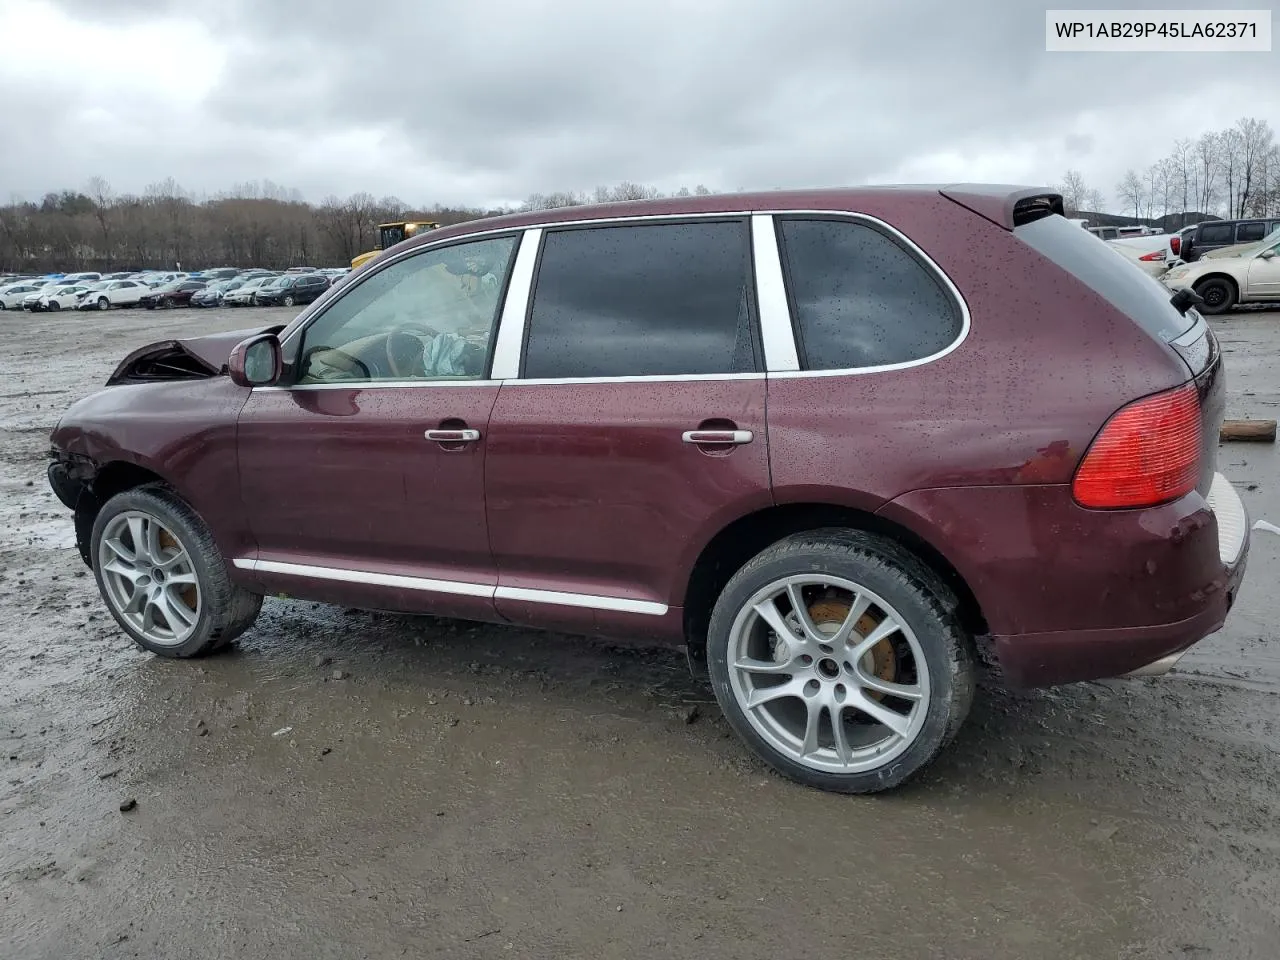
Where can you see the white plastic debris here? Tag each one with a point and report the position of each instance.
(282, 731)
(1268, 527)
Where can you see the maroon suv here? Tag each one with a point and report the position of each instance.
(844, 445)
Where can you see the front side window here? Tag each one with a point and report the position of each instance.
(861, 299)
(656, 299)
(430, 316)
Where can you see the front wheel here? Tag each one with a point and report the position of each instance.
(104, 303)
(1219, 295)
(287, 301)
(162, 577)
(838, 657)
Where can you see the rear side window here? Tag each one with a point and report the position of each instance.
(1249, 232)
(1098, 266)
(1216, 233)
(665, 299)
(861, 299)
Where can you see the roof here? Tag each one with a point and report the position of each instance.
(993, 201)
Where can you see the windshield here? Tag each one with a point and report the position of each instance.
(1133, 292)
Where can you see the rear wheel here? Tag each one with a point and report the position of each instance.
(837, 656)
(1219, 295)
(162, 577)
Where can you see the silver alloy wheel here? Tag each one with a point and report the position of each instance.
(148, 578)
(811, 689)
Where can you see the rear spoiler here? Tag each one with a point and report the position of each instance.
(1006, 206)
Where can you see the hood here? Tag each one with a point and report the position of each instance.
(192, 358)
(1237, 250)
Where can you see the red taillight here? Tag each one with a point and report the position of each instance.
(1147, 453)
(1175, 244)
(1153, 256)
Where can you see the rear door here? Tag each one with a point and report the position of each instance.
(635, 429)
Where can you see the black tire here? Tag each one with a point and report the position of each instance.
(104, 303)
(287, 301)
(54, 306)
(226, 611)
(1219, 295)
(884, 567)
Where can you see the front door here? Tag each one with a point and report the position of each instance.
(364, 478)
(636, 430)
(1264, 275)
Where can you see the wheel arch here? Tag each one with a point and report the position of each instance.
(736, 543)
(1218, 275)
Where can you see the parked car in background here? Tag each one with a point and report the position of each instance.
(113, 293)
(703, 378)
(219, 273)
(176, 294)
(211, 296)
(268, 285)
(242, 296)
(1224, 282)
(12, 296)
(86, 277)
(1151, 254)
(293, 289)
(1212, 235)
(62, 296)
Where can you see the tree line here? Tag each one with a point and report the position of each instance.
(253, 224)
(1232, 173)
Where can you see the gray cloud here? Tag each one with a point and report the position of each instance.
(484, 100)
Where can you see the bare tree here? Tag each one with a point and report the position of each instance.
(1130, 191)
(1073, 191)
(99, 191)
(1208, 155)
(1254, 140)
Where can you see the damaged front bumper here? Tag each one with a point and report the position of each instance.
(71, 479)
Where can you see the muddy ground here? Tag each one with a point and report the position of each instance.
(348, 785)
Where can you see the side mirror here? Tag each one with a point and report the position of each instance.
(1267, 254)
(256, 362)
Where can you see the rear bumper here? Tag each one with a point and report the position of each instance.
(1044, 659)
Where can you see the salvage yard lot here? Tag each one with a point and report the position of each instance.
(347, 784)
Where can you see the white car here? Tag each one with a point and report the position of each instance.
(1251, 276)
(243, 295)
(12, 296)
(1151, 254)
(81, 278)
(113, 293)
(60, 297)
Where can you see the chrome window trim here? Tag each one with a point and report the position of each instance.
(776, 331)
(377, 385)
(453, 587)
(925, 260)
(509, 344)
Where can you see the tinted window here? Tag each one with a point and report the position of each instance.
(1216, 233)
(860, 299)
(1132, 292)
(428, 316)
(643, 300)
(1248, 232)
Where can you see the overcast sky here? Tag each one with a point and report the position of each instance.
(487, 101)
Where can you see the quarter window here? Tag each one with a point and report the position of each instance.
(664, 299)
(860, 299)
(429, 316)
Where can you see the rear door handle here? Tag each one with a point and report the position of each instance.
(718, 436)
(453, 436)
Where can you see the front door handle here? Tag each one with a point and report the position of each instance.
(727, 437)
(453, 436)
